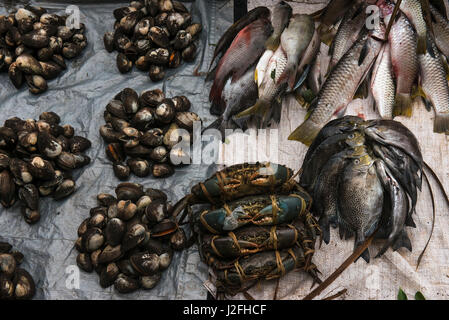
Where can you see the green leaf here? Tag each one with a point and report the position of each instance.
(273, 74)
(402, 295)
(419, 296)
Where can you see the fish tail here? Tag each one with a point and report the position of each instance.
(260, 108)
(215, 91)
(272, 42)
(358, 242)
(305, 133)
(403, 241)
(325, 229)
(402, 105)
(441, 123)
(422, 44)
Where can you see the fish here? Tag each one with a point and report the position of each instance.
(314, 79)
(339, 88)
(314, 162)
(330, 15)
(310, 54)
(360, 200)
(262, 66)
(236, 96)
(294, 46)
(382, 84)
(404, 60)
(441, 30)
(243, 52)
(435, 87)
(282, 66)
(347, 33)
(280, 17)
(325, 191)
(399, 206)
(414, 12)
(230, 34)
(394, 133)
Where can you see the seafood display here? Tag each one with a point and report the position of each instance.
(37, 158)
(386, 62)
(129, 239)
(260, 65)
(257, 226)
(154, 36)
(364, 177)
(147, 134)
(34, 45)
(15, 282)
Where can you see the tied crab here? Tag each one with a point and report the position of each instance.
(258, 225)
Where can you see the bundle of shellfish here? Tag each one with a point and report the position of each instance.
(152, 131)
(257, 227)
(364, 177)
(153, 35)
(129, 239)
(34, 45)
(15, 282)
(36, 160)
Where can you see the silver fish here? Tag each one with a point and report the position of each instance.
(339, 88)
(435, 87)
(279, 20)
(382, 83)
(403, 43)
(441, 30)
(414, 12)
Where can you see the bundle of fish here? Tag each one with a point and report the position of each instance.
(364, 177)
(257, 225)
(389, 62)
(261, 61)
(129, 239)
(153, 131)
(153, 35)
(36, 160)
(15, 282)
(34, 45)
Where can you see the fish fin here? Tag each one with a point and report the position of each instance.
(422, 44)
(260, 108)
(359, 241)
(402, 105)
(272, 42)
(305, 133)
(363, 53)
(211, 74)
(302, 77)
(216, 110)
(441, 123)
(409, 221)
(326, 34)
(403, 241)
(362, 91)
(215, 92)
(276, 109)
(256, 76)
(325, 229)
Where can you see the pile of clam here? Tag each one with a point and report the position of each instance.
(153, 35)
(34, 45)
(15, 282)
(129, 239)
(36, 160)
(152, 131)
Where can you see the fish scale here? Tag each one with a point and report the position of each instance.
(382, 84)
(441, 31)
(435, 87)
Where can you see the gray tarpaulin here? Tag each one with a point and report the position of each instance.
(79, 96)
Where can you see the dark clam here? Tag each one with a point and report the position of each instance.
(44, 54)
(189, 53)
(182, 40)
(71, 50)
(50, 69)
(66, 188)
(126, 284)
(149, 282)
(124, 65)
(126, 209)
(152, 138)
(29, 196)
(174, 60)
(110, 254)
(156, 194)
(30, 216)
(143, 118)
(165, 111)
(145, 263)
(138, 151)
(15, 75)
(108, 275)
(36, 83)
(50, 117)
(121, 171)
(70, 161)
(36, 39)
(24, 285)
(84, 262)
(133, 237)
(7, 264)
(115, 152)
(151, 98)
(79, 144)
(159, 36)
(186, 119)
(109, 134)
(108, 40)
(142, 63)
(156, 211)
(129, 191)
(106, 199)
(159, 56)
(41, 169)
(7, 189)
(194, 29)
(162, 170)
(55, 45)
(130, 100)
(159, 154)
(178, 240)
(115, 229)
(181, 103)
(48, 145)
(163, 228)
(139, 167)
(93, 239)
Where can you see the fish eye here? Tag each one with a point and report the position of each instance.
(351, 136)
(356, 161)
